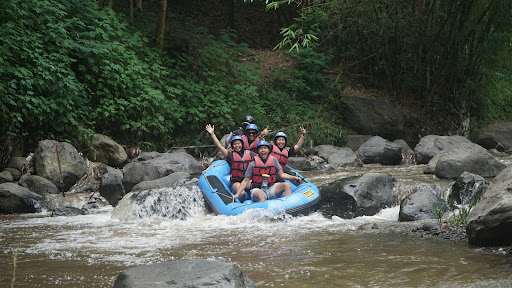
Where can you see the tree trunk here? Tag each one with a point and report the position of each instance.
(160, 29)
(130, 3)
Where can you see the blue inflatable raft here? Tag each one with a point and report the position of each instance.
(214, 182)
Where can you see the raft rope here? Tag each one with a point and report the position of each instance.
(206, 178)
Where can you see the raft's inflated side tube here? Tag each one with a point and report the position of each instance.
(215, 185)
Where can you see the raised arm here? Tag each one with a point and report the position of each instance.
(211, 129)
(301, 139)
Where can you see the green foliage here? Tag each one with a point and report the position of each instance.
(301, 97)
(72, 68)
(438, 214)
(433, 52)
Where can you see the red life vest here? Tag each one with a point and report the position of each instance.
(282, 156)
(254, 145)
(261, 168)
(239, 165)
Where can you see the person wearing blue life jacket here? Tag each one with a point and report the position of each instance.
(263, 172)
(279, 149)
(238, 159)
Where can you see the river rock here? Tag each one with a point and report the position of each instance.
(16, 174)
(430, 145)
(467, 157)
(468, 188)
(184, 273)
(73, 165)
(105, 150)
(421, 204)
(39, 185)
(300, 163)
(325, 151)
(173, 180)
(17, 199)
(344, 157)
(380, 150)
(489, 223)
(5, 176)
(153, 165)
(495, 136)
(67, 211)
(16, 163)
(355, 141)
(406, 149)
(359, 195)
(173, 203)
(111, 184)
(372, 117)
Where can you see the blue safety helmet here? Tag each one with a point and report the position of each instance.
(280, 134)
(237, 138)
(262, 143)
(251, 127)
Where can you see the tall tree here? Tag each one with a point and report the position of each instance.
(160, 28)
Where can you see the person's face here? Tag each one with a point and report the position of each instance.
(237, 145)
(263, 152)
(251, 134)
(280, 142)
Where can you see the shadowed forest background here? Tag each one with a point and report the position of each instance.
(153, 73)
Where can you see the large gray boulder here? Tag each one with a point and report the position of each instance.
(300, 163)
(173, 180)
(489, 223)
(344, 157)
(111, 184)
(5, 176)
(430, 145)
(180, 202)
(73, 165)
(495, 136)
(325, 151)
(380, 150)
(372, 117)
(421, 204)
(355, 141)
(17, 199)
(467, 157)
(107, 151)
(184, 273)
(468, 188)
(359, 195)
(153, 165)
(39, 185)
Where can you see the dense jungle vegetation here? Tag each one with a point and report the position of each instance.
(69, 69)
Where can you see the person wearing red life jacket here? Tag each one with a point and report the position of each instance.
(248, 119)
(238, 159)
(263, 172)
(251, 138)
(279, 149)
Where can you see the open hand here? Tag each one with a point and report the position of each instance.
(210, 129)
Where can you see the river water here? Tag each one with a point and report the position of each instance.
(274, 250)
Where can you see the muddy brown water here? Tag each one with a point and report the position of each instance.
(273, 250)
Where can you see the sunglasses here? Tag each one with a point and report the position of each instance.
(251, 133)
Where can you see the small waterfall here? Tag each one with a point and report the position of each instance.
(173, 203)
